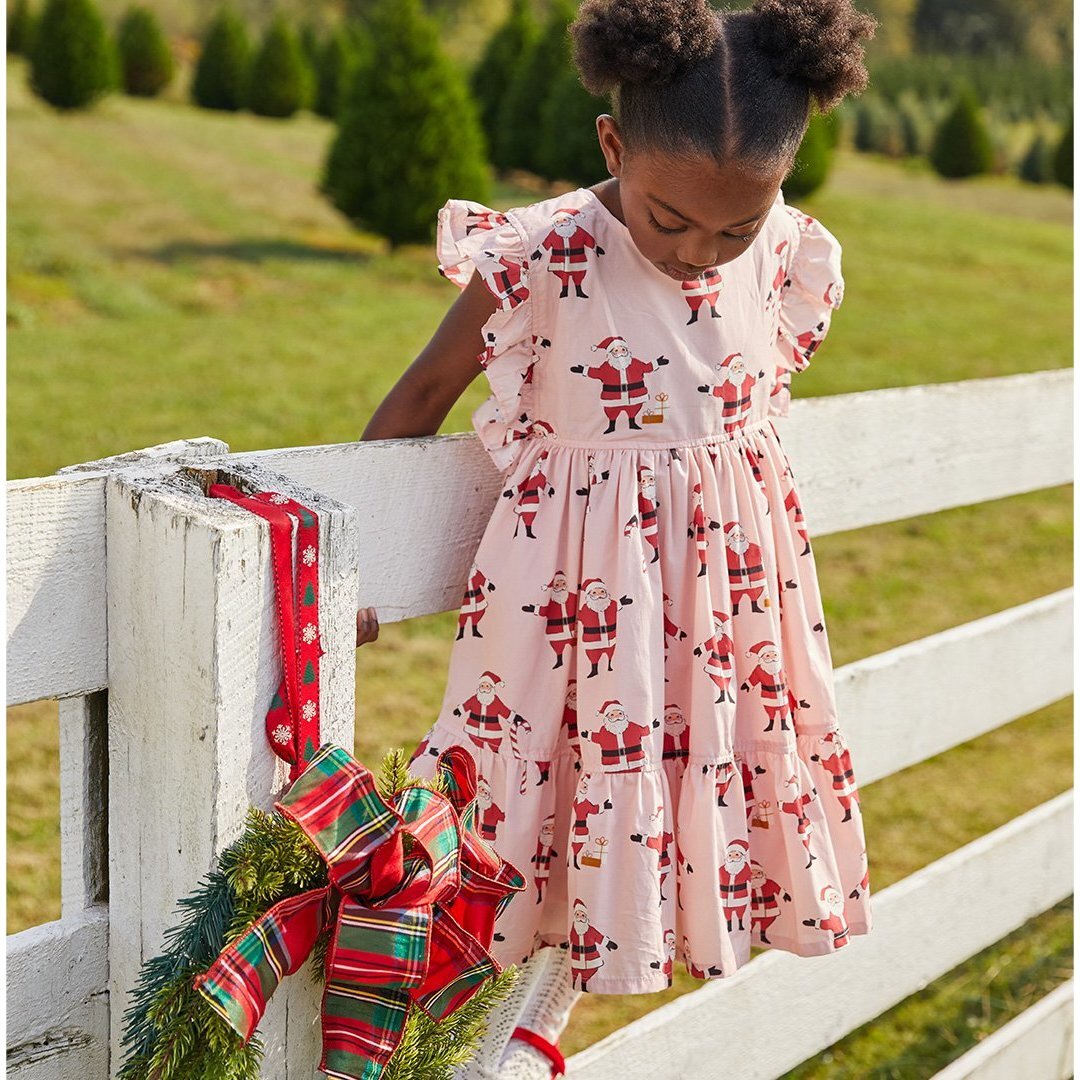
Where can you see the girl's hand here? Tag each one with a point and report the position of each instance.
(367, 626)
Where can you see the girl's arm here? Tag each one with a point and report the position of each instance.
(429, 387)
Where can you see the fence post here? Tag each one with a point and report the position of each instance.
(193, 663)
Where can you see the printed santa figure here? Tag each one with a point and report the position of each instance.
(791, 505)
(734, 386)
(796, 807)
(863, 885)
(529, 491)
(768, 676)
(694, 969)
(720, 663)
(597, 614)
(735, 881)
(661, 844)
(474, 603)
(568, 242)
(699, 523)
(780, 279)
(424, 747)
(478, 220)
(569, 721)
(596, 476)
(746, 568)
(620, 740)
(664, 966)
(507, 279)
(585, 944)
(702, 290)
(753, 457)
(676, 736)
(545, 852)
(622, 380)
(836, 758)
(487, 713)
(584, 808)
(559, 614)
(764, 905)
(520, 729)
(725, 774)
(834, 921)
(647, 509)
(671, 631)
(490, 815)
(682, 869)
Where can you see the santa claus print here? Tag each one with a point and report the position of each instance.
(796, 808)
(768, 677)
(703, 290)
(486, 713)
(474, 603)
(718, 651)
(545, 852)
(780, 279)
(764, 904)
(507, 279)
(735, 882)
(734, 386)
(586, 941)
(671, 633)
(664, 966)
(660, 842)
(569, 727)
(725, 773)
(863, 886)
(528, 493)
(490, 815)
(647, 505)
(622, 381)
(568, 241)
(791, 505)
(699, 523)
(676, 736)
(746, 568)
(698, 972)
(682, 869)
(753, 457)
(596, 476)
(834, 755)
(597, 615)
(620, 739)
(424, 747)
(520, 729)
(834, 921)
(559, 613)
(478, 220)
(584, 808)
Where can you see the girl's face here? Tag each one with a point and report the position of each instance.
(686, 216)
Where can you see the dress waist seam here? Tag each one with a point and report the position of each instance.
(748, 431)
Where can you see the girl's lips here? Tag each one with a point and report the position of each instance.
(678, 274)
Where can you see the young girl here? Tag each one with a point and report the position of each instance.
(642, 671)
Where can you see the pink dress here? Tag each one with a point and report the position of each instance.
(641, 669)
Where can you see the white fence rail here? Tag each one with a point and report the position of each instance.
(161, 647)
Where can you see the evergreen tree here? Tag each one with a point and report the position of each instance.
(812, 161)
(533, 80)
(311, 48)
(567, 145)
(408, 135)
(505, 53)
(72, 62)
(222, 72)
(1037, 165)
(146, 63)
(339, 56)
(1063, 157)
(962, 144)
(279, 76)
(20, 28)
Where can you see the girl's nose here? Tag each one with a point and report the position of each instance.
(696, 259)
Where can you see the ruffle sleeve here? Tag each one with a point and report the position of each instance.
(813, 288)
(472, 238)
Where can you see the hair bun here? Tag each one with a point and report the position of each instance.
(640, 41)
(816, 41)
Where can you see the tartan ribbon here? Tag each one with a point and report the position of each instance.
(412, 922)
(292, 721)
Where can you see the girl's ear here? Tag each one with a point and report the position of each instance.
(607, 131)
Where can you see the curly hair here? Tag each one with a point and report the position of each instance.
(689, 80)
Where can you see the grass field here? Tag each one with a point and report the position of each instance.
(173, 273)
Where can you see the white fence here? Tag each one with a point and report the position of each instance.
(160, 645)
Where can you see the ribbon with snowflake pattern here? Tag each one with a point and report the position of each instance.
(292, 722)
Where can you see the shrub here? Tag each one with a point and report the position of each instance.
(962, 144)
(812, 161)
(146, 63)
(408, 135)
(20, 28)
(877, 128)
(72, 61)
(338, 58)
(1063, 157)
(567, 145)
(913, 126)
(1037, 165)
(222, 73)
(505, 53)
(279, 75)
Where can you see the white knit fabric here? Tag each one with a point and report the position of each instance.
(547, 1012)
(524, 1062)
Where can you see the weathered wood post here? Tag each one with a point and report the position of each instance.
(193, 663)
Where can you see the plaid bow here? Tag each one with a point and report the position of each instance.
(412, 923)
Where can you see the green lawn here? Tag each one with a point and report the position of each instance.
(173, 273)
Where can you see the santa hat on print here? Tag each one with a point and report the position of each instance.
(610, 344)
(492, 678)
(740, 842)
(609, 705)
(588, 583)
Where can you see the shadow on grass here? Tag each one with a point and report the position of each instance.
(254, 252)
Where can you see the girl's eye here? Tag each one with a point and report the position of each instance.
(744, 237)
